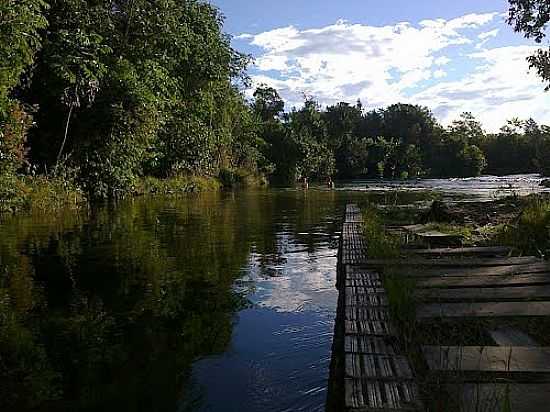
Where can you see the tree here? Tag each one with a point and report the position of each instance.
(268, 105)
(531, 17)
(20, 25)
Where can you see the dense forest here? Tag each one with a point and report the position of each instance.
(103, 94)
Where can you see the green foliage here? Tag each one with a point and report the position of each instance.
(530, 233)
(39, 193)
(21, 21)
(380, 244)
(531, 17)
(176, 185)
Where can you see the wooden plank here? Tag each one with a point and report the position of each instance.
(369, 395)
(539, 267)
(366, 299)
(491, 397)
(507, 336)
(366, 313)
(507, 359)
(484, 281)
(462, 251)
(383, 367)
(487, 309)
(493, 294)
(372, 328)
(457, 262)
(373, 345)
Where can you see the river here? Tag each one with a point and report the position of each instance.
(212, 302)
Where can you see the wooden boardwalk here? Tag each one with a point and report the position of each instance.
(480, 288)
(456, 288)
(375, 376)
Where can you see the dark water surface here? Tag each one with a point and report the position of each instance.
(217, 302)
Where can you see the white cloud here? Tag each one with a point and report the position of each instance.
(382, 65)
(438, 74)
(500, 88)
(488, 34)
(442, 61)
(244, 36)
(485, 37)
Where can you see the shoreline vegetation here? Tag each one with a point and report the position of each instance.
(153, 97)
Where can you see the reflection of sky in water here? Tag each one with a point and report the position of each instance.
(280, 350)
(281, 346)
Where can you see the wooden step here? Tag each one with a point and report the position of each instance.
(483, 309)
(463, 251)
(451, 262)
(507, 336)
(492, 397)
(499, 359)
(492, 294)
(540, 266)
(485, 281)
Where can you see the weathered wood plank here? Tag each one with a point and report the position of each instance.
(485, 281)
(367, 395)
(372, 328)
(539, 267)
(383, 367)
(373, 345)
(487, 309)
(366, 299)
(508, 359)
(363, 283)
(493, 294)
(366, 313)
(463, 251)
(456, 262)
(507, 336)
(491, 397)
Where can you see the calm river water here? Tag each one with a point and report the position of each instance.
(216, 302)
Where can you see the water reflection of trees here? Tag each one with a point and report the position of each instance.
(107, 310)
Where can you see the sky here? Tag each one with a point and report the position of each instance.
(452, 56)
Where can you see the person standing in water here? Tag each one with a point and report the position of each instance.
(330, 183)
(305, 184)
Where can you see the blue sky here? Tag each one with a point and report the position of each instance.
(451, 56)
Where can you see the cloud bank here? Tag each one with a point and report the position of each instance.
(443, 64)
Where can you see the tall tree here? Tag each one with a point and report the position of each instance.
(531, 17)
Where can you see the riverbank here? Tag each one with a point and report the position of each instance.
(47, 194)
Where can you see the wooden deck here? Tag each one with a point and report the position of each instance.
(478, 286)
(468, 287)
(375, 375)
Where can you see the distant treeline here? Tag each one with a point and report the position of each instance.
(104, 93)
(400, 141)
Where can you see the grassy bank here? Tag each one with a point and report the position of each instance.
(46, 194)
(23, 194)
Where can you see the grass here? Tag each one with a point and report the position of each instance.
(38, 194)
(400, 290)
(381, 245)
(530, 232)
(176, 185)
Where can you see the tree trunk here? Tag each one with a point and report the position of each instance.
(64, 137)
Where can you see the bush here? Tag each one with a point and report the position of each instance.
(176, 185)
(530, 233)
(380, 245)
(235, 178)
